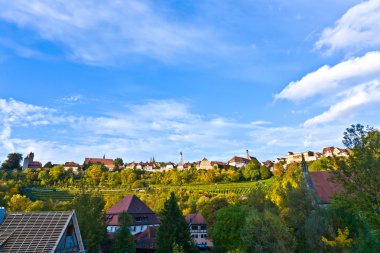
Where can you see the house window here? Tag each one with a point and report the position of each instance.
(195, 236)
(203, 227)
(141, 219)
(194, 227)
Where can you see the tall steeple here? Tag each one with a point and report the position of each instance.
(180, 158)
(248, 156)
(304, 165)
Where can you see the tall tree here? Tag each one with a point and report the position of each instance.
(353, 135)
(173, 229)
(226, 230)
(124, 242)
(264, 232)
(90, 218)
(13, 161)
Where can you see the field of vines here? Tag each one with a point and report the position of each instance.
(241, 188)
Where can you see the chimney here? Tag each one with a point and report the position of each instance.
(2, 214)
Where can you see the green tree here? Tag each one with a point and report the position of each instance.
(124, 242)
(252, 170)
(360, 177)
(265, 172)
(226, 230)
(57, 173)
(90, 218)
(173, 229)
(118, 162)
(265, 233)
(353, 136)
(13, 161)
(341, 243)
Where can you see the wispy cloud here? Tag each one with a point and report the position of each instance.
(157, 127)
(358, 28)
(327, 79)
(352, 99)
(105, 32)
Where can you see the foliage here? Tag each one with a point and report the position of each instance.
(353, 136)
(18, 203)
(226, 230)
(264, 232)
(173, 229)
(13, 161)
(124, 242)
(90, 218)
(341, 243)
(252, 170)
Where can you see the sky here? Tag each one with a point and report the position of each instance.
(142, 78)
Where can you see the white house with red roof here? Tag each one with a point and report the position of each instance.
(29, 162)
(142, 216)
(198, 230)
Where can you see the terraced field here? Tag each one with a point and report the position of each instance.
(241, 188)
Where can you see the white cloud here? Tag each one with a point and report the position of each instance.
(326, 79)
(161, 128)
(102, 32)
(358, 28)
(352, 99)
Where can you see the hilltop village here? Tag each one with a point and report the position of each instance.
(204, 164)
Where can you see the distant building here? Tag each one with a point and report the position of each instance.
(180, 162)
(297, 157)
(52, 232)
(71, 165)
(334, 151)
(29, 162)
(142, 216)
(268, 164)
(109, 163)
(205, 165)
(239, 162)
(198, 230)
(218, 165)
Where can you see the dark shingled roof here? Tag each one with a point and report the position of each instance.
(323, 185)
(35, 231)
(134, 207)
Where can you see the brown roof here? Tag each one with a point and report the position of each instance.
(147, 239)
(238, 159)
(196, 218)
(67, 164)
(106, 162)
(35, 164)
(323, 185)
(328, 149)
(134, 207)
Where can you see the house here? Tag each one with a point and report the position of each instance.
(146, 241)
(198, 230)
(268, 164)
(218, 165)
(142, 216)
(321, 183)
(71, 165)
(334, 151)
(297, 157)
(205, 165)
(238, 162)
(29, 162)
(56, 232)
(109, 163)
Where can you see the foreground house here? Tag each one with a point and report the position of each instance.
(56, 232)
(142, 216)
(198, 230)
(146, 242)
(321, 183)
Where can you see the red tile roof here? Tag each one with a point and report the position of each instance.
(323, 185)
(35, 164)
(196, 218)
(238, 159)
(134, 207)
(106, 162)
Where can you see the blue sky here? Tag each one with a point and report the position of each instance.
(136, 79)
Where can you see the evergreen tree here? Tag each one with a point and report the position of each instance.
(90, 218)
(173, 229)
(124, 241)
